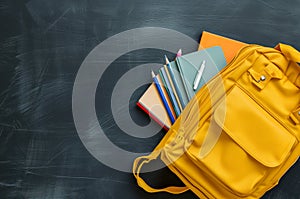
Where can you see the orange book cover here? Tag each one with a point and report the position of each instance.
(229, 46)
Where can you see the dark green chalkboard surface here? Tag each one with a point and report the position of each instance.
(51, 146)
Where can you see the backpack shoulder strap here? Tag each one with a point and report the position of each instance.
(140, 161)
(138, 164)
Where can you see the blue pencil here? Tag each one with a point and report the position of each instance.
(175, 83)
(163, 98)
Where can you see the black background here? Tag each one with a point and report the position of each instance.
(42, 45)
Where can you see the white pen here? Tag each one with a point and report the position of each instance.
(199, 75)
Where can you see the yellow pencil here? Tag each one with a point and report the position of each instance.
(171, 82)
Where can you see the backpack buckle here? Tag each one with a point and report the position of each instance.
(295, 116)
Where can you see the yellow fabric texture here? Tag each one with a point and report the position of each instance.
(240, 133)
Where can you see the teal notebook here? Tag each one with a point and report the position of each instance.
(189, 65)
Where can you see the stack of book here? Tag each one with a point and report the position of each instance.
(178, 81)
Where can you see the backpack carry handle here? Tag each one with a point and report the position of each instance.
(293, 55)
(137, 166)
(289, 52)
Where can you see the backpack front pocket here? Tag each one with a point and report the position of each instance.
(251, 142)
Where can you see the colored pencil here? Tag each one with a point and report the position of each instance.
(164, 77)
(163, 98)
(175, 83)
(179, 53)
(171, 78)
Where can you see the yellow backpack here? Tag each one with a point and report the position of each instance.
(240, 133)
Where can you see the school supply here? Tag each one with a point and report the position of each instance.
(173, 82)
(240, 133)
(199, 75)
(151, 99)
(151, 104)
(229, 46)
(189, 66)
(167, 84)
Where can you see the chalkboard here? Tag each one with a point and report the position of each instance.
(45, 45)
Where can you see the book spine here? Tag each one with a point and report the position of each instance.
(152, 116)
